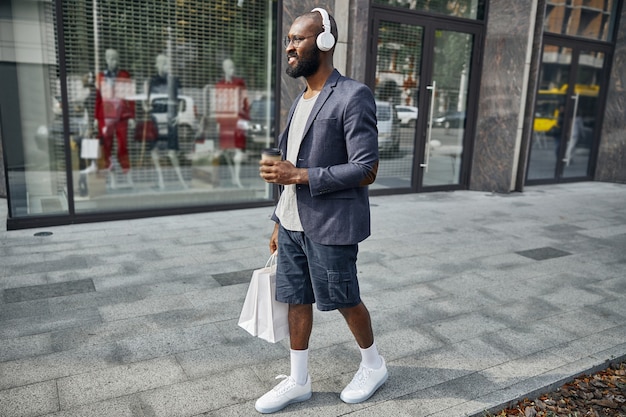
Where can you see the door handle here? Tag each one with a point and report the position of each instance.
(433, 90)
(571, 130)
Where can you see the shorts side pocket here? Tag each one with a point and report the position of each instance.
(342, 287)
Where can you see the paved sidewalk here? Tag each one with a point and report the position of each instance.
(477, 299)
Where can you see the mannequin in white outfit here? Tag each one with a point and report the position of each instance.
(163, 82)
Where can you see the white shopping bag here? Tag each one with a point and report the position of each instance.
(261, 315)
(89, 148)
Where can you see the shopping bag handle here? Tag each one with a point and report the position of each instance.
(272, 260)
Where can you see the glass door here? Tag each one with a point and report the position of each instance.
(567, 110)
(421, 72)
(448, 95)
(397, 90)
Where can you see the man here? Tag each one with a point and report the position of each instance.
(331, 155)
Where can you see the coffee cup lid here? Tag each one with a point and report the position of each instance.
(271, 151)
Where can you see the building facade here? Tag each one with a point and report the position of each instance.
(123, 109)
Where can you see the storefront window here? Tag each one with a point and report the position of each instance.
(168, 104)
(591, 19)
(469, 9)
(29, 104)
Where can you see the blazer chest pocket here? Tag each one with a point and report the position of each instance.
(328, 138)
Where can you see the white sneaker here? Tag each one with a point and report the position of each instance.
(283, 394)
(364, 384)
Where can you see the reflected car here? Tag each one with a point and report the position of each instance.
(407, 115)
(450, 119)
(260, 128)
(387, 122)
(187, 118)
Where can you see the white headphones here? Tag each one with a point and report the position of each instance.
(325, 40)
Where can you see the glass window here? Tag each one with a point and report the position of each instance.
(159, 97)
(566, 109)
(592, 19)
(469, 9)
(31, 109)
(398, 73)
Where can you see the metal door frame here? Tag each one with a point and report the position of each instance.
(577, 45)
(431, 23)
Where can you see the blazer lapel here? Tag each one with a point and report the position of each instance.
(323, 97)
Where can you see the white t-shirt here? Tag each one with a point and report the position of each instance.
(287, 208)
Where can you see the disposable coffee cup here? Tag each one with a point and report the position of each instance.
(272, 154)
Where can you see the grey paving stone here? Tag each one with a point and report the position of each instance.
(88, 272)
(100, 333)
(524, 368)
(590, 345)
(18, 310)
(93, 300)
(68, 262)
(32, 325)
(540, 254)
(144, 307)
(465, 327)
(202, 395)
(36, 292)
(407, 342)
(428, 401)
(529, 339)
(9, 261)
(570, 297)
(27, 371)
(114, 382)
(168, 342)
(21, 280)
(581, 322)
(24, 347)
(117, 407)
(235, 277)
(31, 400)
(223, 357)
(483, 353)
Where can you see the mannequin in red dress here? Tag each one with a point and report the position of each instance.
(113, 112)
(231, 108)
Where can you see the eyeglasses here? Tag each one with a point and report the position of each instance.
(295, 40)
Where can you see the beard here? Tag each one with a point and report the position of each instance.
(306, 66)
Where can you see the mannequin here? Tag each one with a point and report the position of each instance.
(231, 107)
(164, 83)
(113, 112)
(90, 108)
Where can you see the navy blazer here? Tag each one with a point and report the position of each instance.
(340, 151)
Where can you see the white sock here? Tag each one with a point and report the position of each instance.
(300, 365)
(370, 357)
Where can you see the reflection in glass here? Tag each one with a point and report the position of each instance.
(565, 115)
(32, 122)
(591, 19)
(470, 9)
(550, 105)
(397, 77)
(154, 110)
(453, 51)
(583, 123)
